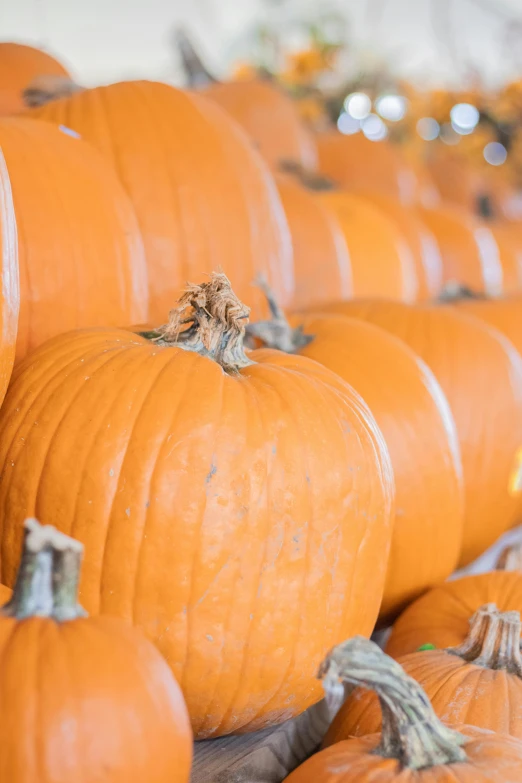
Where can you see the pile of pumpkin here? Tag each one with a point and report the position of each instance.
(249, 494)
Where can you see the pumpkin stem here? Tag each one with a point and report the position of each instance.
(493, 640)
(411, 732)
(47, 581)
(44, 89)
(277, 333)
(209, 320)
(309, 179)
(510, 559)
(455, 292)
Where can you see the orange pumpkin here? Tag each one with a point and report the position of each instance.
(202, 196)
(468, 250)
(19, 66)
(481, 375)
(253, 494)
(414, 744)
(9, 277)
(506, 235)
(441, 616)
(108, 706)
(321, 259)
(422, 244)
(479, 681)
(270, 118)
(414, 417)
(456, 180)
(356, 162)
(81, 255)
(502, 314)
(382, 263)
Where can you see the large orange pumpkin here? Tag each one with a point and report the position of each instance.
(321, 259)
(81, 254)
(414, 417)
(9, 279)
(503, 314)
(382, 263)
(414, 744)
(441, 616)
(107, 705)
(356, 162)
(481, 375)
(230, 505)
(270, 118)
(479, 681)
(469, 253)
(203, 197)
(19, 66)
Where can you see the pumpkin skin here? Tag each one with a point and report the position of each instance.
(468, 250)
(422, 244)
(321, 259)
(81, 255)
(481, 681)
(465, 355)
(118, 714)
(202, 196)
(240, 495)
(414, 417)
(506, 235)
(9, 279)
(19, 65)
(270, 118)
(441, 616)
(501, 314)
(381, 261)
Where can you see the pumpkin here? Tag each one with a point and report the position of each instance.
(9, 279)
(254, 494)
(506, 235)
(321, 260)
(381, 261)
(441, 616)
(481, 375)
(457, 181)
(414, 417)
(510, 558)
(502, 314)
(414, 744)
(81, 255)
(19, 65)
(422, 244)
(356, 162)
(479, 681)
(202, 196)
(469, 252)
(108, 706)
(270, 118)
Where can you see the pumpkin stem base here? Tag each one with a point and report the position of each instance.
(493, 640)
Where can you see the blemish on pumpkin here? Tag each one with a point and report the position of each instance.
(147, 504)
(127, 511)
(274, 449)
(111, 472)
(212, 472)
(209, 637)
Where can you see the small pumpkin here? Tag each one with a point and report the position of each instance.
(108, 706)
(81, 255)
(321, 259)
(252, 496)
(19, 66)
(414, 417)
(479, 372)
(9, 279)
(479, 681)
(441, 616)
(202, 196)
(413, 744)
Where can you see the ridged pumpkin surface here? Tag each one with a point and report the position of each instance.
(503, 314)
(481, 376)
(242, 521)
(270, 118)
(321, 259)
(19, 65)
(80, 250)
(382, 263)
(9, 279)
(441, 617)
(203, 197)
(470, 255)
(509, 242)
(414, 417)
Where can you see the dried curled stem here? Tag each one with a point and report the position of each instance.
(411, 732)
(44, 89)
(493, 640)
(209, 320)
(510, 559)
(48, 577)
(277, 333)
